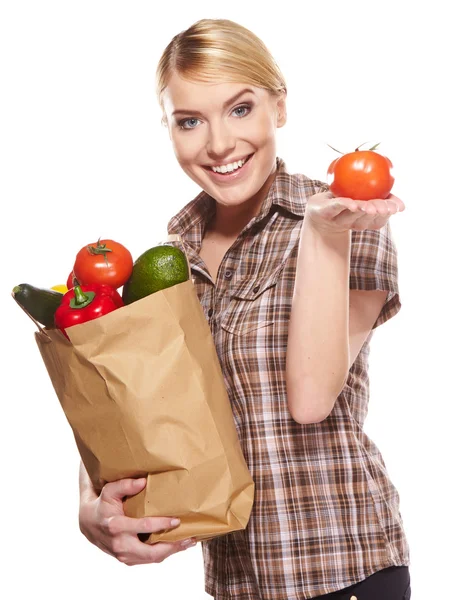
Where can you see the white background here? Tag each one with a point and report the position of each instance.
(83, 154)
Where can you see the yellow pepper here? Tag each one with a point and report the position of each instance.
(60, 288)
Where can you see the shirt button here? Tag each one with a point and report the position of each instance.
(228, 274)
(256, 289)
(210, 312)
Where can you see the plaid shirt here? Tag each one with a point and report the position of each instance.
(325, 513)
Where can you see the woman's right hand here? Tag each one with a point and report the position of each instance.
(104, 524)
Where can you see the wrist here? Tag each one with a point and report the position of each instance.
(329, 236)
(329, 231)
(88, 494)
(84, 515)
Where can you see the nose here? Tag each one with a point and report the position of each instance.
(221, 141)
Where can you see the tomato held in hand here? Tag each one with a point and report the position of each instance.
(106, 262)
(361, 175)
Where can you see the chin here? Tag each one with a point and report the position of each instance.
(235, 197)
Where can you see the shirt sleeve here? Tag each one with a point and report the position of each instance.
(373, 266)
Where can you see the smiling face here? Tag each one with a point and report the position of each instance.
(223, 136)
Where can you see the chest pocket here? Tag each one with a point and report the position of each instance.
(252, 304)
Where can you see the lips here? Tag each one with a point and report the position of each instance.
(247, 159)
(231, 178)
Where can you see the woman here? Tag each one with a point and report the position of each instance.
(293, 282)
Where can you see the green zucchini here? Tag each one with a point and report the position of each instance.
(40, 303)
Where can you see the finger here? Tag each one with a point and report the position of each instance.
(384, 210)
(132, 552)
(397, 201)
(388, 206)
(373, 222)
(135, 554)
(367, 214)
(353, 211)
(347, 203)
(382, 207)
(327, 201)
(339, 206)
(373, 214)
(120, 524)
(357, 220)
(162, 550)
(368, 207)
(117, 490)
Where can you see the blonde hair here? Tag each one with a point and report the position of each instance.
(218, 50)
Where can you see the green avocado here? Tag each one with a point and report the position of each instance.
(156, 269)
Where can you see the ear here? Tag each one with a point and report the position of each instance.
(281, 110)
(164, 123)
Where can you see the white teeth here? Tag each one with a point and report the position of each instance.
(229, 168)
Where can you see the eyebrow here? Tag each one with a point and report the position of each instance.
(183, 111)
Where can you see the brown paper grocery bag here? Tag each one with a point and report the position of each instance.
(143, 391)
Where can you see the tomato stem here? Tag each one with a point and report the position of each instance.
(99, 250)
(335, 150)
(371, 149)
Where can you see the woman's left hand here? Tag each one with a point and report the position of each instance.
(331, 214)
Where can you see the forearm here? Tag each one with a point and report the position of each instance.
(318, 336)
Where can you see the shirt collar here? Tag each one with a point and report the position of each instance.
(282, 193)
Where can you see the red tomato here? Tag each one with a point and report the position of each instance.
(106, 262)
(361, 175)
(71, 281)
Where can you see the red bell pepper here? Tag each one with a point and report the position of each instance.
(85, 303)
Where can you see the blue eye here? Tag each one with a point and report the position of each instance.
(244, 107)
(192, 122)
(182, 124)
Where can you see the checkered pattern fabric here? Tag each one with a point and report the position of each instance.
(325, 514)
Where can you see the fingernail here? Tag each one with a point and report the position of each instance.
(187, 542)
(175, 522)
